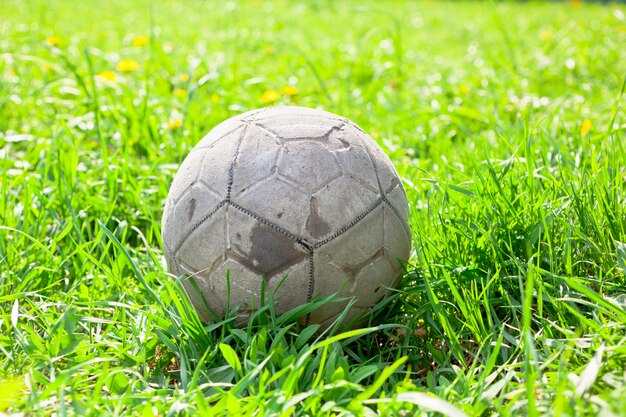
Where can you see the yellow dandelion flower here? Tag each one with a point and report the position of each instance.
(269, 50)
(215, 98)
(127, 65)
(585, 127)
(53, 41)
(290, 90)
(270, 96)
(184, 77)
(463, 89)
(108, 75)
(140, 41)
(46, 67)
(174, 123)
(545, 36)
(180, 92)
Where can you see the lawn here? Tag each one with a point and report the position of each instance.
(505, 121)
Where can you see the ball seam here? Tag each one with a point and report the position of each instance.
(350, 225)
(299, 240)
(196, 225)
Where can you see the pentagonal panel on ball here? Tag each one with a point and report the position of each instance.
(256, 159)
(237, 286)
(186, 175)
(308, 164)
(397, 240)
(289, 288)
(260, 247)
(217, 161)
(339, 203)
(203, 249)
(276, 201)
(196, 203)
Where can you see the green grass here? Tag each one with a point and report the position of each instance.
(514, 302)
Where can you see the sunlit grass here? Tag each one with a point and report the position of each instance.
(505, 121)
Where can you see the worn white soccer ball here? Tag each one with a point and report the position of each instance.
(300, 198)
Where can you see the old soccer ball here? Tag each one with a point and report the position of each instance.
(301, 199)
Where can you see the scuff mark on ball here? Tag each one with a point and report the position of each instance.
(192, 209)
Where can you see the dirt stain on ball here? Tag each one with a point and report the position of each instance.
(272, 251)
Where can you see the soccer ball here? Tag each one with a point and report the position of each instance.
(301, 199)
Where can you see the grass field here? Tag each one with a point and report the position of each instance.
(505, 121)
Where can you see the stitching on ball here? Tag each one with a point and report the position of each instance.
(397, 213)
(311, 285)
(369, 155)
(168, 250)
(299, 240)
(380, 186)
(350, 225)
(233, 164)
(198, 224)
(231, 169)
